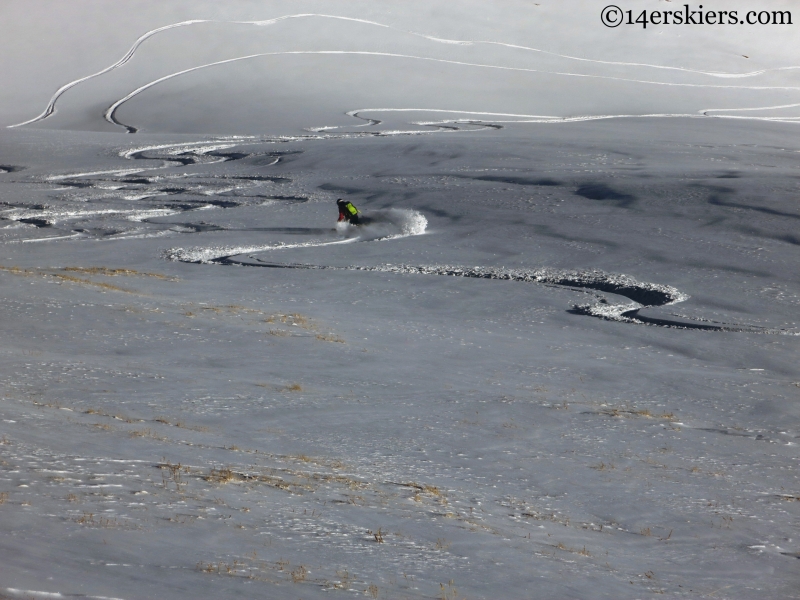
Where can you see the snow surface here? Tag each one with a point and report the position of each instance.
(558, 361)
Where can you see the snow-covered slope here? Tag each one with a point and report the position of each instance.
(286, 71)
(559, 361)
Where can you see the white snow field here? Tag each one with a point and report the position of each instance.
(560, 359)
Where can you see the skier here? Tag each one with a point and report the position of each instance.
(348, 212)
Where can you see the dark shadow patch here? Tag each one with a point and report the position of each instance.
(36, 222)
(512, 179)
(600, 191)
(730, 175)
(292, 230)
(181, 159)
(332, 187)
(719, 189)
(229, 156)
(75, 184)
(544, 181)
(193, 204)
(183, 206)
(728, 432)
(287, 199)
(713, 222)
(634, 314)
(701, 265)
(273, 179)
(438, 212)
(717, 201)
(223, 203)
(266, 160)
(548, 232)
(196, 227)
(697, 264)
(788, 238)
(10, 168)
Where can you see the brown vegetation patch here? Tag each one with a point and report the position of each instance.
(117, 272)
(629, 412)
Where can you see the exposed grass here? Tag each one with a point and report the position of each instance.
(580, 551)
(430, 491)
(102, 413)
(171, 473)
(279, 333)
(345, 580)
(293, 319)
(377, 535)
(427, 489)
(19, 271)
(180, 424)
(299, 574)
(222, 476)
(88, 519)
(329, 337)
(220, 568)
(100, 284)
(63, 277)
(448, 592)
(302, 322)
(147, 433)
(3, 497)
(628, 412)
(441, 544)
(117, 272)
(324, 462)
(603, 467)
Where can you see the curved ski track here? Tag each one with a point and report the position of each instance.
(50, 109)
(641, 294)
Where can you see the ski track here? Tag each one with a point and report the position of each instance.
(35, 595)
(50, 109)
(400, 224)
(110, 113)
(642, 294)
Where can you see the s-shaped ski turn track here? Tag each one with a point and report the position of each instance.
(641, 294)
